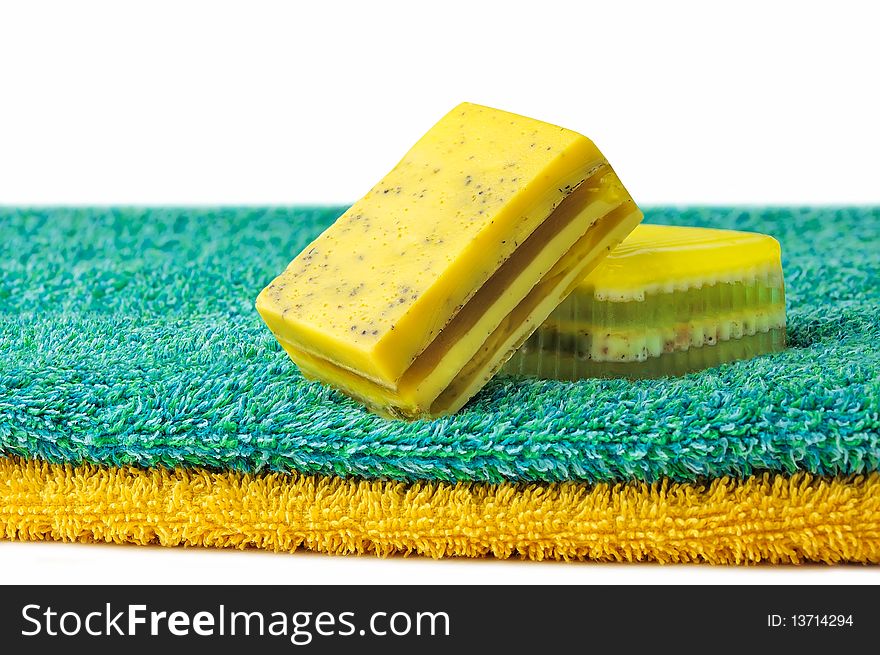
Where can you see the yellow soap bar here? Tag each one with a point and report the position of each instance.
(419, 292)
(667, 300)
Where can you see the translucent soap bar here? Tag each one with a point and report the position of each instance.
(667, 301)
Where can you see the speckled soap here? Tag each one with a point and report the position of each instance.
(668, 300)
(415, 296)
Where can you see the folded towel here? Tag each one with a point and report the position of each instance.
(765, 518)
(129, 337)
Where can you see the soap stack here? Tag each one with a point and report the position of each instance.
(486, 355)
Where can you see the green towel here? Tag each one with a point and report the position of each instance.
(129, 337)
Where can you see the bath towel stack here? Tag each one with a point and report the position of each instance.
(143, 401)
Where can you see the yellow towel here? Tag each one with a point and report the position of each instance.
(773, 518)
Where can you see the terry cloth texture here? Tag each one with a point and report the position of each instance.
(765, 518)
(129, 336)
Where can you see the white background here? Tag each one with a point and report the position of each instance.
(283, 102)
